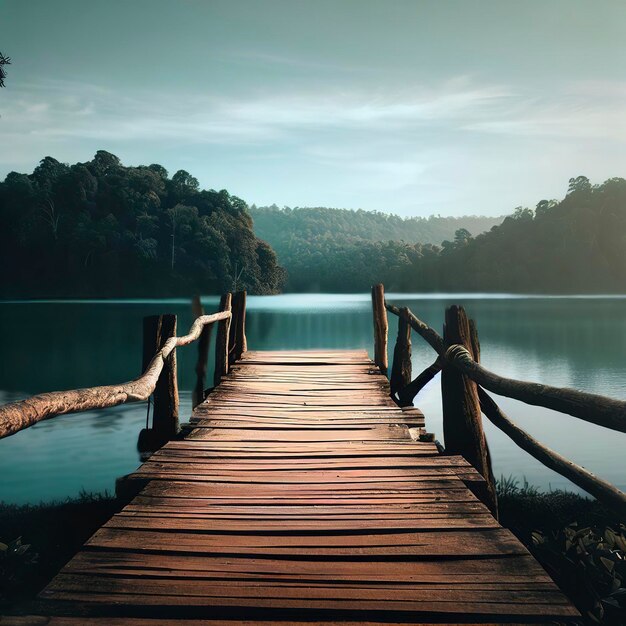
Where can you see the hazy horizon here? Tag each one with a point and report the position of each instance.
(414, 108)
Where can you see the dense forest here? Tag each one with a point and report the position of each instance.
(577, 245)
(102, 229)
(279, 226)
(336, 249)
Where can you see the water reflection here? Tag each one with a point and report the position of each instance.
(577, 342)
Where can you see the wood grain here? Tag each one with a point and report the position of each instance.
(300, 494)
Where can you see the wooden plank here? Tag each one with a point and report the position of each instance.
(84, 620)
(279, 463)
(299, 490)
(495, 542)
(511, 569)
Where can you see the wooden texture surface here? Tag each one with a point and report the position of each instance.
(157, 329)
(381, 327)
(301, 494)
(462, 420)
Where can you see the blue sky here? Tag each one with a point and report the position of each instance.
(415, 107)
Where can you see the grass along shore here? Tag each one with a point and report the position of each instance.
(578, 541)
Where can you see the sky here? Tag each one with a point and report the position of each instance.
(414, 107)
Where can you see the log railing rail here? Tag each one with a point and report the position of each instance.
(159, 334)
(460, 354)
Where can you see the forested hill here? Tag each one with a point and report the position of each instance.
(102, 229)
(341, 249)
(320, 247)
(277, 225)
(575, 245)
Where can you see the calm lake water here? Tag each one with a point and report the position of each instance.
(577, 342)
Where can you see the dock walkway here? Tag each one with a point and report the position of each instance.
(302, 493)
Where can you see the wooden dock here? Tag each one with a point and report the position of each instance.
(301, 493)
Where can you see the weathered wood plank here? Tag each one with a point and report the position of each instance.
(300, 489)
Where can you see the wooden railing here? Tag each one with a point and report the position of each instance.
(464, 397)
(159, 377)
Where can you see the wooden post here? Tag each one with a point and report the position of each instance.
(157, 329)
(203, 354)
(462, 420)
(238, 344)
(401, 367)
(381, 327)
(232, 335)
(222, 341)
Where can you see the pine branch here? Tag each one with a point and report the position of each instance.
(3, 61)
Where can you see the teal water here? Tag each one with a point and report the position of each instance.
(48, 345)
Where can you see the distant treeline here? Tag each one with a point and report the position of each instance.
(278, 226)
(576, 245)
(346, 250)
(102, 229)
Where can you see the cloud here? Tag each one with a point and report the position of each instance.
(446, 141)
(269, 59)
(63, 110)
(580, 110)
(55, 110)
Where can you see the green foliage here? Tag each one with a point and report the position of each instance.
(53, 533)
(589, 563)
(4, 60)
(579, 542)
(344, 250)
(525, 508)
(576, 245)
(102, 229)
(16, 563)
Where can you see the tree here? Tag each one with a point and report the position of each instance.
(104, 163)
(237, 276)
(462, 236)
(575, 245)
(159, 170)
(522, 213)
(4, 60)
(47, 173)
(177, 215)
(102, 229)
(184, 181)
(580, 183)
(543, 206)
(51, 216)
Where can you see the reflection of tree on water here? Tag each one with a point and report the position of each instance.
(572, 342)
(271, 330)
(81, 344)
(84, 344)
